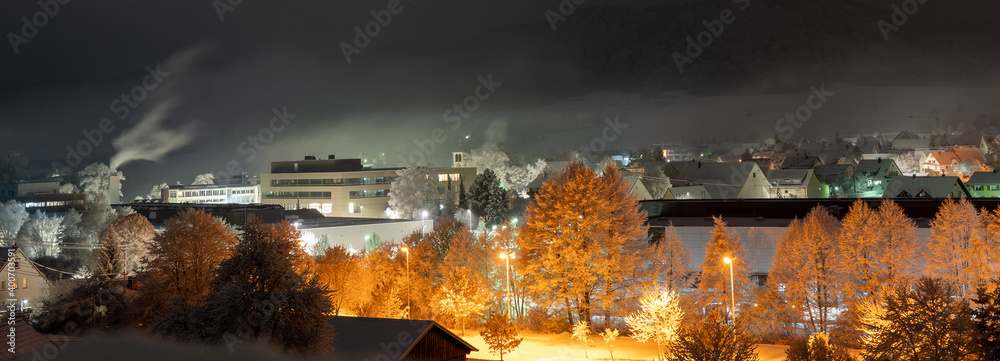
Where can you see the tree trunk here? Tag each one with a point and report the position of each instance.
(569, 313)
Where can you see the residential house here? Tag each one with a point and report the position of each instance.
(926, 187)
(801, 162)
(984, 184)
(739, 180)
(839, 178)
(797, 183)
(636, 188)
(957, 161)
(29, 284)
(690, 192)
(366, 338)
(871, 176)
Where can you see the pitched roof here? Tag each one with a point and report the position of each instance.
(877, 167)
(27, 340)
(981, 178)
(935, 187)
(361, 338)
(790, 177)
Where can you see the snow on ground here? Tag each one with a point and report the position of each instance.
(548, 347)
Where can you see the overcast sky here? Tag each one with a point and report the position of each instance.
(223, 77)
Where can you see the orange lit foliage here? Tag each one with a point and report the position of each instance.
(959, 248)
(340, 272)
(575, 236)
(805, 264)
(714, 281)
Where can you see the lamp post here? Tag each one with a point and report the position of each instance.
(469, 211)
(732, 287)
(506, 259)
(407, 251)
(423, 222)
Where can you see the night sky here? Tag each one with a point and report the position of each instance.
(220, 80)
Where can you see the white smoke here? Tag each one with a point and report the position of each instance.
(150, 140)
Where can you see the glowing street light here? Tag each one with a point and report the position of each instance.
(507, 258)
(732, 287)
(423, 222)
(407, 251)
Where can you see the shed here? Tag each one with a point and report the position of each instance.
(365, 338)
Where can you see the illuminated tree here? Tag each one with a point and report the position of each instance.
(124, 245)
(610, 335)
(804, 264)
(382, 282)
(573, 243)
(500, 334)
(463, 295)
(487, 199)
(711, 339)
(954, 250)
(986, 321)
(581, 333)
(659, 320)
(413, 191)
(338, 270)
(816, 347)
(667, 261)
(182, 261)
(206, 178)
(41, 235)
(714, 282)
(12, 217)
(924, 323)
(261, 294)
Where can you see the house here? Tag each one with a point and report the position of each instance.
(365, 338)
(949, 161)
(925, 187)
(797, 183)
(872, 175)
(870, 145)
(984, 184)
(690, 192)
(29, 284)
(839, 177)
(842, 156)
(733, 180)
(801, 162)
(637, 189)
(27, 340)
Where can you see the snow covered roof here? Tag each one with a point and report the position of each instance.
(984, 178)
(794, 178)
(365, 338)
(876, 167)
(921, 187)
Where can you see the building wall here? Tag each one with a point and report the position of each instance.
(353, 237)
(756, 185)
(31, 285)
(241, 194)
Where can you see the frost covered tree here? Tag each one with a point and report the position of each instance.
(816, 347)
(714, 283)
(41, 235)
(659, 320)
(610, 335)
(339, 270)
(514, 178)
(182, 261)
(382, 284)
(12, 217)
(12, 167)
(805, 263)
(500, 334)
(986, 321)
(575, 238)
(261, 294)
(157, 191)
(581, 333)
(954, 250)
(487, 199)
(124, 245)
(668, 261)
(202, 179)
(415, 190)
(463, 295)
(927, 322)
(95, 179)
(655, 180)
(905, 162)
(712, 338)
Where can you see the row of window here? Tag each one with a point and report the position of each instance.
(298, 195)
(986, 188)
(370, 193)
(24, 284)
(331, 181)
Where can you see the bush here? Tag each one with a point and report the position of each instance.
(816, 348)
(541, 321)
(713, 338)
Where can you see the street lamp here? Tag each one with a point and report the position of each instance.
(732, 287)
(507, 259)
(407, 251)
(469, 211)
(423, 222)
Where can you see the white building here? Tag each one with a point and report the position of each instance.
(213, 194)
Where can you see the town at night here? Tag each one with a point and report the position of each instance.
(554, 180)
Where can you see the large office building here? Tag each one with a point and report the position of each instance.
(236, 190)
(341, 187)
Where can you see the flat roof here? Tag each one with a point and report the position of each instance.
(328, 222)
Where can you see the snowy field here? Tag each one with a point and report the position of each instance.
(546, 347)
